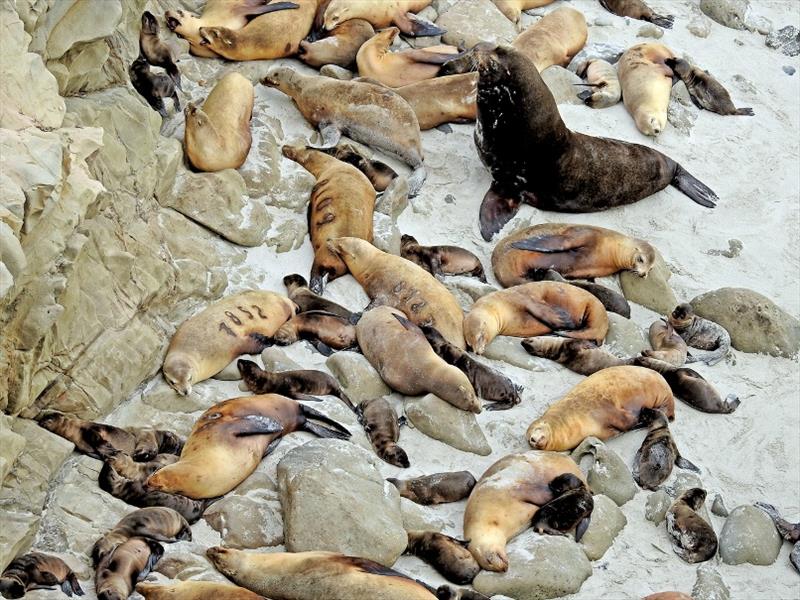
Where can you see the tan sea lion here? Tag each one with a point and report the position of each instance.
(218, 134)
(505, 500)
(371, 114)
(35, 571)
(441, 260)
(341, 205)
(380, 174)
(554, 39)
(581, 356)
(194, 590)
(512, 9)
(613, 301)
(129, 562)
(416, 370)
(574, 251)
(705, 91)
(658, 452)
(667, 345)
(533, 309)
(325, 331)
(339, 47)
(693, 539)
(153, 87)
(603, 82)
(401, 284)
(446, 554)
(155, 50)
(646, 82)
(439, 488)
(306, 300)
(603, 405)
(636, 9)
(229, 440)
(570, 508)
(382, 13)
(208, 341)
(383, 430)
(449, 99)
(700, 333)
(315, 575)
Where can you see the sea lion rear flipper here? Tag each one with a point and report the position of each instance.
(336, 430)
(431, 58)
(685, 464)
(156, 552)
(745, 111)
(74, 585)
(416, 179)
(415, 26)
(694, 188)
(257, 425)
(496, 210)
(586, 95)
(664, 21)
(581, 528)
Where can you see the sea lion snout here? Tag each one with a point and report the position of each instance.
(11, 588)
(173, 18)
(539, 437)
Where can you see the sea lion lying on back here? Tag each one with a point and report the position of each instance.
(603, 81)
(441, 260)
(667, 345)
(129, 562)
(155, 50)
(34, 571)
(658, 452)
(705, 91)
(700, 333)
(438, 488)
(646, 82)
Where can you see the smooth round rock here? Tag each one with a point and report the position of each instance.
(749, 536)
(606, 522)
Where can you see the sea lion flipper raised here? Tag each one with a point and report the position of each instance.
(685, 464)
(581, 528)
(415, 26)
(253, 9)
(496, 211)
(694, 188)
(336, 430)
(428, 57)
(257, 425)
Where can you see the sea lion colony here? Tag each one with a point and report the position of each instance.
(414, 332)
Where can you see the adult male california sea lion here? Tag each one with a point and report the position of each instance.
(535, 309)
(315, 575)
(441, 260)
(380, 174)
(155, 50)
(512, 9)
(534, 158)
(448, 99)
(636, 9)
(218, 134)
(229, 440)
(603, 405)
(407, 363)
(581, 356)
(325, 331)
(446, 554)
(153, 87)
(382, 13)
(34, 571)
(603, 81)
(299, 293)
(700, 333)
(194, 590)
(129, 562)
(505, 500)
(341, 205)
(371, 114)
(612, 300)
(554, 39)
(382, 427)
(705, 91)
(646, 82)
(667, 345)
(339, 47)
(207, 342)
(570, 508)
(439, 488)
(658, 452)
(693, 539)
(788, 531)
(401, 284)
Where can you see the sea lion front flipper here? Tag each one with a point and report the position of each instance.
(407, 324)
(685, 464)
(256, 343)
(255, 8)
(694, 188)
(257, 425)
(557, 319)
(555, 242)
(156, 552)
(581, 528)
(336, 430)
(415, 26)
(496, 210)
(431, 58)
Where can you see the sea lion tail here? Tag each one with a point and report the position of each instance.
(336, 430)
(416, 179)
(665, 21)
(694, 188)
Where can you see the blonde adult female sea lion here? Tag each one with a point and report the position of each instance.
(693, 539)
(341, 205)
(218, 134)
(581, 356)
(194, 590)
(207, 342)
(603, 81)
(441, 260)
(129, 562)
(667, 345)
(371, 114)
(35, 571)
(339, 47)
(646, 82)
(416, 370)
(636, 9)
(555, 39)
(439, 488)
(700, 333)
(574, 251)
(160, 523)
(705, 91)
(449, 556)
(449, 99)
(505, 500)
(512, 9)
(401, 284)
(382, 13)
(535, 309)
(229, 440)
(658, 453)
(155, 50)
(603, 405)
(315, 575)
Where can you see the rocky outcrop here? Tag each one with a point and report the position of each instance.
(749, 536)
(468, 23)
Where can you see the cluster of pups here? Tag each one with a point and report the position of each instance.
(414, 332)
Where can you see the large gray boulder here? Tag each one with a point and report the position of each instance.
(653, 291)
(624, 337)
(606, 473)
(749, 536)
(468, 23)
(606, 522)
(359, 379)
(245, 522)
(444, 422)
(730, 13)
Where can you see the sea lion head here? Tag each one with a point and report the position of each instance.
(650, 123)
(298, 154)
(195, 116)
(179, 373)
(539, 435)
(480, 328)
(216, 38)
(224, 559)
(182, 22)
(283, 78)
(335, 14)
(387, 36)
(693, 498)
(149, 23)
(682, 316)
(349, 248)
(564, 483)
(643, 258)
(11, 587)
(52, 420)
(294, 281)
(407, 240)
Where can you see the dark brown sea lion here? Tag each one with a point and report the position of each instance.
(439, 488)
(534, 158)
(383, 430)
(382, 13)
(581, 356)
(380, 174)
(156, 51)
(447, 592)
(153, 87)
(441, 260)
(339, 47)
(705, 91)
(325, 331)
(128, 468)
(636, 9)
(37, 571)
(658, 452)
(693, 539)
(571, 507)
(292, 384)
(667, 345)
(194, 590)
(613, 301)
(447, 555)
(128, 563)
(788, 531)
(489, 384)
(306, 300)
(700, 333)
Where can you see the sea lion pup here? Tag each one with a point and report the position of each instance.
(658, 452)
(95, 439)
(229, 440)
(218, 134)
(401, 284)
(646, 82)
(571, 507)
(128, 563)
(325, 331)
(554, 39)
(416, 370)
(292, 384)
(603, 405)
(449, 99)
(535, 309)
(580, 356)
(573, 251)
(306, 300)
(439, 488)
(446, 554)
(383, 430)
(155, 50)
(396, 69)
(194, 590)
(512, 9)
(705, 91)
(612, 300)
(231, 14)
(382, 13)
(380, 174)
(371, 114)
(700, 333)
(788, 531)
(603, 80)
(688, 385)
(693, 539)
(667, 345)
(489, 384)
(636, 9)
(506, 498)
(441, 260)
(340, 47)
(208, 341)
(534, 158)
(341, 205)
(315, 575)
(35, 571)
(153, 87)
(128, 468)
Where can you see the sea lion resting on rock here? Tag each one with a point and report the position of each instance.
(383, 430)
(693, 539)
(554, 39)
(35, 571)
(603, 405)
(534, 158)
(129, 562)
(194, 590)
(229, 440)
(570, 508)
(602, 77)
(535, 309)
(658, 452)
(438, 488)
(155, 50)
(646, 82)
(667, 345)
(126, 467)
(612, 301)
(306, 300)
(700, 333)
(581, 356)
(448, 99)
(636, 9)
(153, 87)
(315, 575)
(380, 174)
(326, 331)
(441, 260)
(512, 9)
(339, 47)
(705, 91)
(382, 13)
(788, 531)
(447, 555)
